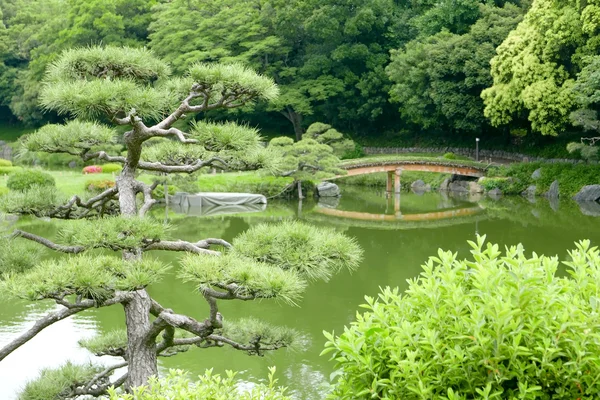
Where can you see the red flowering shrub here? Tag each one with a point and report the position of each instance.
(92, 169)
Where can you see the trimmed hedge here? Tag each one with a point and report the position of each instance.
(5, 163)
(97, 186)
(110, 168)
(26, 179)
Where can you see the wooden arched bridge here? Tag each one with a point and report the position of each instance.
(394, 168)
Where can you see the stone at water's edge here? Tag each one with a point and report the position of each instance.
(537, 174)
(591, 208)
(495, 193)
(459, 186)
(73, 164)
(475, 188)
(588, 193)
(420, 186)
(328, 189)
(445, 186)
(530, 191)
(552, 193)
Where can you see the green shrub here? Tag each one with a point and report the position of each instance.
(3, 190)
(571, 177)
(38, 200)
(9, 170)
(5, 163)
(26, 179)
(178, 386)
(98, 186)
(110, 168)
(496, 326)
(496, 183)
(51, 383)
(159, 192)
(450, 156)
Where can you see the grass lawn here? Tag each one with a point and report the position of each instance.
(69, 182)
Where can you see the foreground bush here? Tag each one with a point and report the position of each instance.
(497, 326)
(5, 163)
(9, 170)
(98, 186)
(110, 168)
(92, 169)
(177, 386)
(27, 179)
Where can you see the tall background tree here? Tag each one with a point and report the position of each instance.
(133, 89)
(536, 66)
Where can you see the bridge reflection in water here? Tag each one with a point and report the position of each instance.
(429, 216)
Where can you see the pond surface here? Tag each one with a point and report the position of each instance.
(396, 241)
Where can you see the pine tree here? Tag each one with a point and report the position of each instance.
(133, 89)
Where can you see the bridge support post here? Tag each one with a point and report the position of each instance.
(397, 175)
(388, 186)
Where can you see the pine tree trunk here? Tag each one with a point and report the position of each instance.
(296, 120)
(300, 197)
(141, 354)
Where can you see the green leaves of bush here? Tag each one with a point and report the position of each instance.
(178, 386)
(495, 326)
(27, 179)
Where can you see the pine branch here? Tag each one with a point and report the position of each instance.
(55, 316)
(255, 346)
(148, 200)
(200, 247)
(159, 167)
(48, 243)
(180, 135)
(90, 204)
(101, 375)
(102, 155)
(40, 325)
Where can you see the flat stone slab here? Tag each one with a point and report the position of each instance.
(214, 199)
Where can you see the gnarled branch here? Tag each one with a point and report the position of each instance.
(48, 243)
(160, 167)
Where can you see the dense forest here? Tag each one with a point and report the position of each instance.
(459, 68)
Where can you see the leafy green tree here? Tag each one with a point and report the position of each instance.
(498, 325)
(328, 57)
(39, 30)
(305, 160)
(134, 89)
(438, 79)
(535, 68)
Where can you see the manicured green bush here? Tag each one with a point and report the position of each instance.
(178, 386)
(9, 170)
(26, 179)
(495, 326)
(3, 190)
(110, 168)
(5, 163)
(159, 192)
(450, 156)
(97, 186)
(501, 183)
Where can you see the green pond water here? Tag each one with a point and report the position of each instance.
(396, 241)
